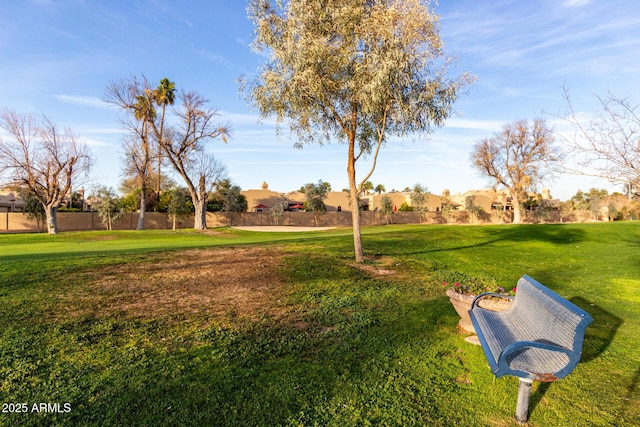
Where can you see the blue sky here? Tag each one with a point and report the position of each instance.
(57, 56)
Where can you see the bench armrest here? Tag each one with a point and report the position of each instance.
(477, 299)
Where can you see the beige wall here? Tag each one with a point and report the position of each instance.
(434, 202)
(261, 197)
(67, 221)
(269, 198)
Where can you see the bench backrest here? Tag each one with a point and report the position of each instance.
(550, 316)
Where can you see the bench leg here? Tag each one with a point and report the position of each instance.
(524, 392)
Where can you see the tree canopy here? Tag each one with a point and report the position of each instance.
(193, 124)
(605, 144)
(36, 156)
(315, 194)
(108, 206)
(352, 70)
(518, 158)
(420, 199)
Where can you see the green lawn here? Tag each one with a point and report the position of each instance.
(340, 345)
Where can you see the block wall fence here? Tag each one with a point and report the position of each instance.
(86, 221)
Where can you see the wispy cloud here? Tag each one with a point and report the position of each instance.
(485, 125)
(85, 101)
(93, 142)
(45, 3)
(211, 56)
(245, 119)
(576, 3)
(100, 137)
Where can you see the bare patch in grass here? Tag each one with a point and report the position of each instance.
(217, 283)
(381, 266)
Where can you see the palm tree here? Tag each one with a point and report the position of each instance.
(380, 189)
(367, 187)
(139, 150)
(164, 95)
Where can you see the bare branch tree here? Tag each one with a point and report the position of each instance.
(36, 156)
(183, 145)
(135, 97)
(606, 145)
(518, 159)
(202, 172)
(137, 163)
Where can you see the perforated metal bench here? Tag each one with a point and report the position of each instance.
(539, 337)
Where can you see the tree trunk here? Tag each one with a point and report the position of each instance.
(517, 212)
(52, 219)
(143, 207)
(200, 218)
(355, 203)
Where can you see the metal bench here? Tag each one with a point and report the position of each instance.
(539, 337)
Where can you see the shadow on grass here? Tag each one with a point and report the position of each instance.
(347, 349)
(597, 339)
(458, 238)
(632, 389)
(600, 333)
(338, 372)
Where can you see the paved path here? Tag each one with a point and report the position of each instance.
(282, 228)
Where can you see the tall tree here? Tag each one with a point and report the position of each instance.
(164, 94)
(134, 96)
(367, 187)
(354, 70)
(605, 144)
(518, 159)
(380, 188)
(183, 145)
(35, 155)
(137, 162)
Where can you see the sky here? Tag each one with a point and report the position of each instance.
(57, 57)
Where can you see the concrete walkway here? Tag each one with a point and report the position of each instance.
(282, 228)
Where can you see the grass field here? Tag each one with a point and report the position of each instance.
(236, 328)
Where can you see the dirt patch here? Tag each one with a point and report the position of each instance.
(378, 266)
(215, 282)
(374, 270)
